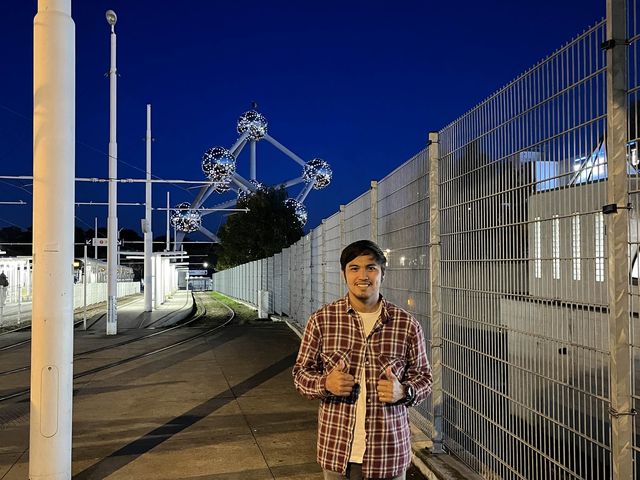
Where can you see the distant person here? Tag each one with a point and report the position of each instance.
(4, 283)
(365, 359)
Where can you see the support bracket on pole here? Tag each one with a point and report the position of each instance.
(609, 44)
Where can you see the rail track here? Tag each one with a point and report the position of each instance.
(204, 304)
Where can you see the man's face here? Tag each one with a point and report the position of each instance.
(363, 276)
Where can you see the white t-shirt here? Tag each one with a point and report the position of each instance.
(359, 436)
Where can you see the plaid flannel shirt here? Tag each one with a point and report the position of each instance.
(334, 333)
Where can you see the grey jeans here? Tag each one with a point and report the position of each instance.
(354, 472)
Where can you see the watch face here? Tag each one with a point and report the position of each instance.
(409, 393)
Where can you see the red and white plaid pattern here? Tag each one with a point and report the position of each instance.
(334, 333)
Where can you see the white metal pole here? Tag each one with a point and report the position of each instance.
(95, 235)
(19, 285)
(51, 397)
(168, 224)
(252, 160)
(159, 281)
(148, 235)
(84, 282)
(112, 221)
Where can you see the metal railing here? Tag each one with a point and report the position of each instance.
(511, 240)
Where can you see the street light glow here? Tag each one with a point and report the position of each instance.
(111, 16)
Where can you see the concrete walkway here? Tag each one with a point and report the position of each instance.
(220, 407)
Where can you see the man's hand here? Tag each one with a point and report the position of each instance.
(390, 390)
(338, 382)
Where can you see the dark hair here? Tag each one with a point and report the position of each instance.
(363, 247)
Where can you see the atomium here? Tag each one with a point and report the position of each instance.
(317, 171)
(253, 122)
(244, 194)
(300, 209)
(221, 187)
(185, 220)
(218, 164)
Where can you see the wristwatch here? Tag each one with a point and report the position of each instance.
(409, 394)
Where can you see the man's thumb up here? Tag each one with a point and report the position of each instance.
(340, 366)
(389, 374)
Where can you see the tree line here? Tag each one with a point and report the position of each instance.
(269, 226)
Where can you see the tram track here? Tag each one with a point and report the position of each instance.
(201, 312)
(100, 307)
(76, 324)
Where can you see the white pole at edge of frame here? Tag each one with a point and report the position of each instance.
(51, 396)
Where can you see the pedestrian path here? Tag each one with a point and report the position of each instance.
(220, 407)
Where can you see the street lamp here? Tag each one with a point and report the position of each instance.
(112, 221)
(112, 18)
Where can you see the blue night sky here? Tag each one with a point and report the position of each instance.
(357, 83)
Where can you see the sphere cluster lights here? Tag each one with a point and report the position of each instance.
(253, 122)
(185, 220)
(318, 171)
(221, 187)
(218, 164)
(244, 194)
(300, 209)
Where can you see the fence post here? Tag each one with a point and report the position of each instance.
(436, 295)
(343, 242)
(323, 261)
(373, 196)
(621, 410)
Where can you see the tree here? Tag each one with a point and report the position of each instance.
(269, 226)
(15, 241)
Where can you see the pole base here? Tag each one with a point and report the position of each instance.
(112, 315)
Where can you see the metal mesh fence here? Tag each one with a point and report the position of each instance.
(317, 269)
(286, 282)
(332, 245)
(519, 292)
(357, 219)
(403, 234)
(277, 283)
(307, 275)
(524, 336)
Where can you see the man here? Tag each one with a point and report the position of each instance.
(365, 359)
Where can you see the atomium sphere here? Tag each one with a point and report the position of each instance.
(185, 220)
(244, 194)
(319, 171)
(259, 185)
(218, 164)
(300, 209)
(221, 187)
(254, 123)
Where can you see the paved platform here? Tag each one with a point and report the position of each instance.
(220, 407)
(131, 312)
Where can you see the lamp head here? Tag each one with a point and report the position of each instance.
(111, 16)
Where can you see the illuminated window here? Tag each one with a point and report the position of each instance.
(599, 239)
(555, 247)
(575, 230)
(537, 262)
